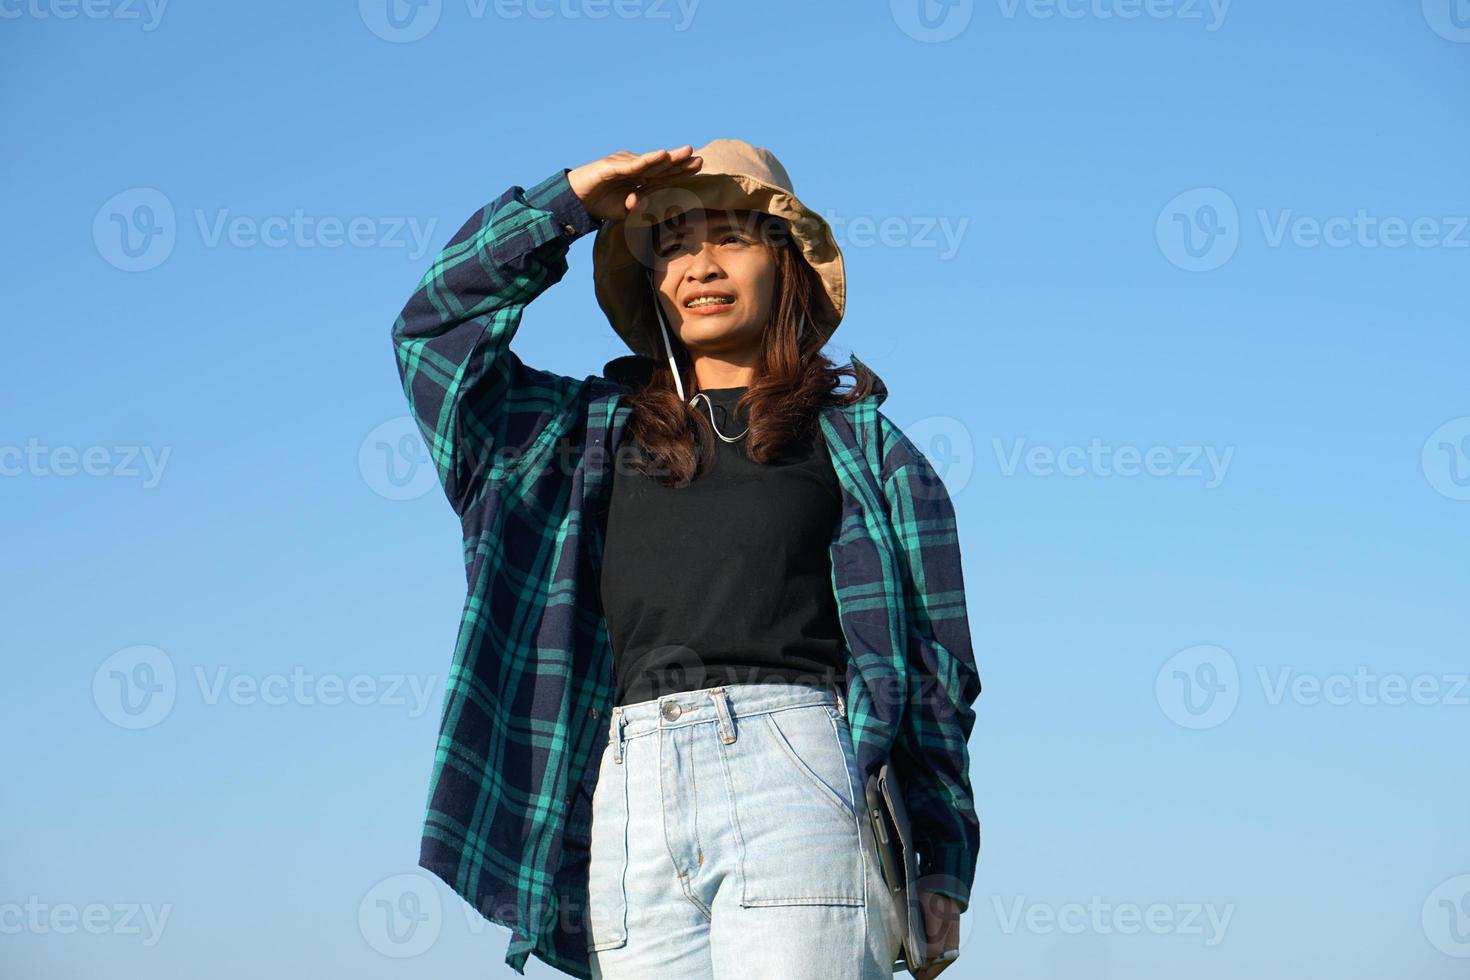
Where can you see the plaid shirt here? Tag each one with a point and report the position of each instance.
(525, 457)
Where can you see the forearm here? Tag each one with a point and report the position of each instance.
(453, 334)
(945, 824)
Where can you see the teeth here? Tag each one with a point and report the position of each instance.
(707, 301)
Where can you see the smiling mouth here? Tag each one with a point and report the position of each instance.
(710, 303)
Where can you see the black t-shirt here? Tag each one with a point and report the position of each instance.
(727, 579)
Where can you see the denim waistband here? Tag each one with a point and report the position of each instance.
(720, 703)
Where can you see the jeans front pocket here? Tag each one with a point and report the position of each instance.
(607, 868)
(794, 796)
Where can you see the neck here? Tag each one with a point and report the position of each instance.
(725, 370)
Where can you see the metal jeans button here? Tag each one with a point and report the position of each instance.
(671, 710)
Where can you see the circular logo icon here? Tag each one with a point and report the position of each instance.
(932, 21)
(1446, 459)
(675, 666)
(1450, 19)
(400, 21)
(401, 916)
(1446, 917)
(135, 687)
(945, 441)
(654, 208)
(1198, 687)
(1199, 230)
(135, 230)
(395, 463)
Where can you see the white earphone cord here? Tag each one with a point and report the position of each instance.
(663, 326)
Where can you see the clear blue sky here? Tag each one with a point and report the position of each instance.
(1173, 292)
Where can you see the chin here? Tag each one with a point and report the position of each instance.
(716, 335)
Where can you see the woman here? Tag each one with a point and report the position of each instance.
(696, 624)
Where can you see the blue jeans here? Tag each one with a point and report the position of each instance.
(729, 842)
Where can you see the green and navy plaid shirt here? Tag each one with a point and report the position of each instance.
(525, 457)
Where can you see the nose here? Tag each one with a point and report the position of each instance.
(702, 264)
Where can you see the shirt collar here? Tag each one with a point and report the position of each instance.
(631, 370)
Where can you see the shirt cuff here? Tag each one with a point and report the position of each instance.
(555, 195)
(947, 870)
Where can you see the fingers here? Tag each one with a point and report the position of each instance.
(638, 173)
(941, 932)
(660, 176)
(653, 162)
(951, 940)
(673, 166)
(678, 153)
(665, 171)
(631, 165)
(933, 968)
(648, 182)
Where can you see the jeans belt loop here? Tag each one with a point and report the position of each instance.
(618, 721)
(722, 714)
(841, 705)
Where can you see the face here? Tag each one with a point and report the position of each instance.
(719, 255)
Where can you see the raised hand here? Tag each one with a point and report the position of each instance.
(609, 187)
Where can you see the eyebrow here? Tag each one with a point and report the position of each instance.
(723, 223)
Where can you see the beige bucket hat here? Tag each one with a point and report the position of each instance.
(733, 175)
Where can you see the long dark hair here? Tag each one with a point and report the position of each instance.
(673, 441)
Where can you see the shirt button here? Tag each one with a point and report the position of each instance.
(568, 229)
(592, 712)
(671, 710)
